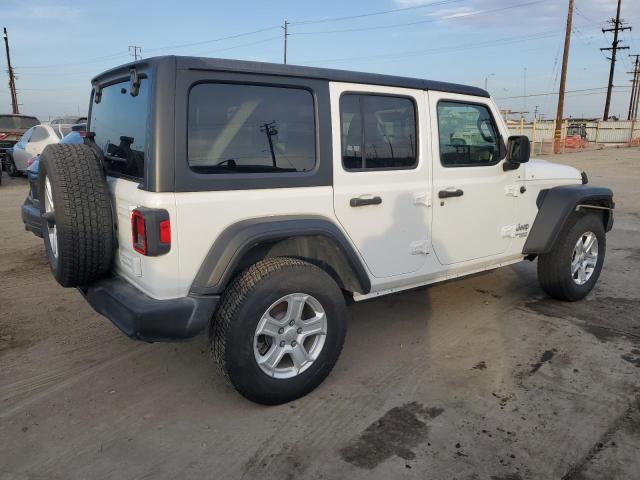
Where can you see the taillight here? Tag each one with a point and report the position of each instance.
(138, 232)
(3, 135)
(150, 231)
(83, 133)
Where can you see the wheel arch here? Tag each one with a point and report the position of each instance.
(314, 239)
(556, 204)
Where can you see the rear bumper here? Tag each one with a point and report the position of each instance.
(144, 318)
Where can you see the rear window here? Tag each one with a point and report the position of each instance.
(250, 129)
(11, 122)
(119, 122)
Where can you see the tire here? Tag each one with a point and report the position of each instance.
(252, 294)
(79, 236)
(555, 268)
(10, 167)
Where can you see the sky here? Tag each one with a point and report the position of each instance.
(515, 46)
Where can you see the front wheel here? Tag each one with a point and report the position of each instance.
(570, 271)
(279, 329)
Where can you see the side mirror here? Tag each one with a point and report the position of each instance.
(518, 151)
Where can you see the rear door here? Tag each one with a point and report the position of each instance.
(381, 176)
(474, 206)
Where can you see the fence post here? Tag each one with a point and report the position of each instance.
(633, 127)
(533, 135)
(563, 135)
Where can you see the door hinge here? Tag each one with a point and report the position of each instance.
(513, 190)
(420, 247)
(422, 198)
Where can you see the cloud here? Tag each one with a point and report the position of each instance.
(522, 14)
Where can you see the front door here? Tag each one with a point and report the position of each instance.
(474, 205)
(381, 175)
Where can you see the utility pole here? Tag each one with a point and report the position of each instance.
(563, 80)
(286, 34)
(634, 88)
(136, 52)
(12, 77)
(617, 27)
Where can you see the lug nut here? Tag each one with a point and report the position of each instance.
(294, 343)
(281, 331)
(291, 323)
(299, 331)
(282, 343)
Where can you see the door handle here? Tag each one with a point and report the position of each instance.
(361, 202)
(450, 193)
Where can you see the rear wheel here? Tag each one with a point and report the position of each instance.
(10, 167)
(279, 330)
(570, 271)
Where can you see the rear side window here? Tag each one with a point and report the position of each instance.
(119, 122)
(250, 129)
(378, 132)
(468, 135)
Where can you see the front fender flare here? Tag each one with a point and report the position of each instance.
(555, 205)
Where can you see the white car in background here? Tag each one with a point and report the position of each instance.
(32, 144)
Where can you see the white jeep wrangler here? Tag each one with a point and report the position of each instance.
(249, 199)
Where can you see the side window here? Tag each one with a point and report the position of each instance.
(38, 134)
(251, 129)
(468, 135)
(378, 132)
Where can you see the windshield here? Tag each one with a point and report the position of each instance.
(14, 122)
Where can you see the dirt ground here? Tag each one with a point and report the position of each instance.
(482, 378)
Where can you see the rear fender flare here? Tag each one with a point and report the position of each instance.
(240, 245)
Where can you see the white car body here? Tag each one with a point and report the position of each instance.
(412, 239)
(32, 143)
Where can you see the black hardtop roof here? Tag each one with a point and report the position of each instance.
(277, 69)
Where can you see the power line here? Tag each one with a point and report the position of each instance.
(595, 90)
(418, 22)
(372, 14)
(212, 40)
(409, 53)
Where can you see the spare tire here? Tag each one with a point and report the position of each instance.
(77, 219)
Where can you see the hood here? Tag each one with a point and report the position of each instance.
(536, 169)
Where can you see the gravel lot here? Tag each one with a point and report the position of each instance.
(482, 378)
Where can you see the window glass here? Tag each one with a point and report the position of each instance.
(26, 136)
(378, 132)
(39, 134)
(250, 128)
(119, 122)
(468, 135)
(15, 122)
